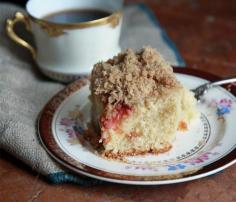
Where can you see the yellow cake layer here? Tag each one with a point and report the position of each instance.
(151, 126)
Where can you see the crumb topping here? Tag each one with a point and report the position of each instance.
(130, 77)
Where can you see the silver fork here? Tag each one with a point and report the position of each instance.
(203, 89)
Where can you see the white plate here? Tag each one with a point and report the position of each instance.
(65, 118)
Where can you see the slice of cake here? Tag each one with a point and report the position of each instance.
(138, 104)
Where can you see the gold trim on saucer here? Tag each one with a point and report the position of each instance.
(57, 29)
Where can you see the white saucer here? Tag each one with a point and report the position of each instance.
(207, 141)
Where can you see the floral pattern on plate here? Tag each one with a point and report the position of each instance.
(222, 106)
(73, 125)
(174, 166)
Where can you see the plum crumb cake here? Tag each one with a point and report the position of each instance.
(138, 104)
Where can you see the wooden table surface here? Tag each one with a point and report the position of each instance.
(205, 33)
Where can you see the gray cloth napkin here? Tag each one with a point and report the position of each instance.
(24, 90)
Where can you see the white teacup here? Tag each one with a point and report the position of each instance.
(65, 51)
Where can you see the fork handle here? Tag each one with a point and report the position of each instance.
(223, 81)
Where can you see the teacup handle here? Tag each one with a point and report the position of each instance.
(19, 17)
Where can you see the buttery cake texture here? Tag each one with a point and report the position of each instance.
(138, 104)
